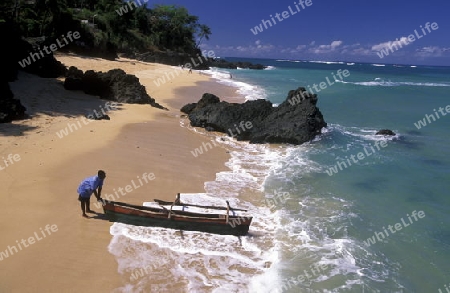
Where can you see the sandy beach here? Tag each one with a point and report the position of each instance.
(38, 184)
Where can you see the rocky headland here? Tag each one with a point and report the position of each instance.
(259, 121)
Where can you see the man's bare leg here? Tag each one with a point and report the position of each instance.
(88, 207)
(83, 209)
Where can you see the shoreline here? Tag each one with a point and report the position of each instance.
(138, 139)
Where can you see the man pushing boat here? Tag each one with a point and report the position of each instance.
(87, 187)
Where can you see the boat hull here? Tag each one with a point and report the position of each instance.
(154, 217)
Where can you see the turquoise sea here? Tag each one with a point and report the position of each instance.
(311, 230)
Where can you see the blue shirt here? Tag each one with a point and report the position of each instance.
(88, 185)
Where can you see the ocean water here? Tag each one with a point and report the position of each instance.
(311, 224)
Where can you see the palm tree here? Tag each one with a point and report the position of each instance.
(204, 32)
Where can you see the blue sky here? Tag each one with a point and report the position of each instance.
(328, 30)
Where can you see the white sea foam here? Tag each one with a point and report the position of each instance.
(308, 228)
(195, 261)
(294, 61)
(381, 82)
(203, 262)
(250, 92)
(302, 237)
(328, 62)
(361, 133)
(302, 232)
(284, 241)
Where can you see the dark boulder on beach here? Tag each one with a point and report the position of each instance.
(188, 108)
(99, 117)
(385, 132)
(73, 84)
(10, 108)
(297, 120)
(207, 99)
(74, 79)
(95, 84)
(114, 85)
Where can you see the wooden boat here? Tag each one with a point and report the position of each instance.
(212, 219)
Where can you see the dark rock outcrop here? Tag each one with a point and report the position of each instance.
(10, 52)
(222, 63)
(385, 132)
(86, 47)
(188, 108)
(296, 120)
(114, 85)
(195, 59)
(73, 81)
(46, 67)
(99, 117)
(10, 108)
(34, 59)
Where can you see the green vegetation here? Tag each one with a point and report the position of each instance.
(162, 28)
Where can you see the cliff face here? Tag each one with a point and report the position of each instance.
(297, 120)
(10, 108)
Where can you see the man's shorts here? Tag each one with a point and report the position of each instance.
(83, 199)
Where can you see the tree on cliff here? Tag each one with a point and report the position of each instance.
(161, 28)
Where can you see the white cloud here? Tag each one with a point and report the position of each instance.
(390, 44)
(335, 50)
(323, 49)
(359, 51)
(431, 51)
(336, 44)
